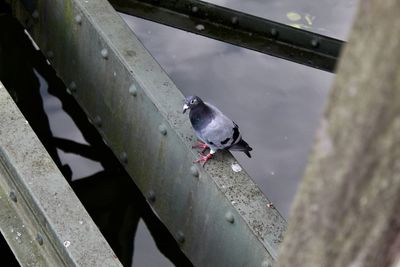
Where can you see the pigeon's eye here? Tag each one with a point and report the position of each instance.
(192, 101)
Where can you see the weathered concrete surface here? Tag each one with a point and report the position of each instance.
(347, 210)
(42, 202)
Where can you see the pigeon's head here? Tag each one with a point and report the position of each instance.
(191, 102)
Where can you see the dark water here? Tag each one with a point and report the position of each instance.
(331, 18)
(276, 103)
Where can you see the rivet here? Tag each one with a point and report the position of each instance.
(133, 89)
(13, 196)
(104, 53)
(234, 20)
(50, 54)
(274, 32)
(72, 86)
(180, 237)
(35, 14)
(200, 27)
(229, 217)
(78, 19)
(194, 171)
(97, 121)
(39, 239)
(195, 9)
(162, 129)
(314, 43)
(123, 157)
(151, 196)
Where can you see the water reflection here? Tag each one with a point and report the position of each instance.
(331, 18)
(144, 249)
(277, 103)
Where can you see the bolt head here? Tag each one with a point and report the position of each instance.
(314, 43)
(194, 171)
(234, 20)
(180, 237)
(78, 19)
(35, 14)
(229, 217)
(13, 196)
(274, 32)
(133, 89)
(195, 9)
(123, 157)
(200, 27)
(151, 196)
(50, 54)
(72, 86)
(97, 121)
(104, 53)
(162, 129)
(39, 239)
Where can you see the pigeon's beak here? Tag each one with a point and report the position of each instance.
(185, 107)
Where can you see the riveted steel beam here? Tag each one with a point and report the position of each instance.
(41, 218)
(240, 29)
(218, 216)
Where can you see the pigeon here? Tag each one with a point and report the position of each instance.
(214, 130)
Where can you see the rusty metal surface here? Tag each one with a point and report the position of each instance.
(42, 220)
(219, 217)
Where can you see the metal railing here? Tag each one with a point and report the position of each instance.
(238, 28)
(42, 220)
(218, 216)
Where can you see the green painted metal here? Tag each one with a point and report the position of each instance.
(41, 218)
(219, 217)
(265, 36)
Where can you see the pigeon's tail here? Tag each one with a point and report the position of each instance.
(242, 146)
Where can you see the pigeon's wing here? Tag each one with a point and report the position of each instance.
(220, 132)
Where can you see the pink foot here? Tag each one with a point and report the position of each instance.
(200, 145)
(204, 158)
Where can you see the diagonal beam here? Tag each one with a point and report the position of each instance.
(241, 29)
(218, 216)
(41, 219)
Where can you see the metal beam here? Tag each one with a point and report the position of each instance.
(42, 220)
(240, 29)
(218, 216)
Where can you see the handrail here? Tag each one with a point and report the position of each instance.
(218, 216)
(41, 219)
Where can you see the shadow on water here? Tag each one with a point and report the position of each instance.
(110, 196)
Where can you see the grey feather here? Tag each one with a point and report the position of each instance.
(214, 128)
(218, 130)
